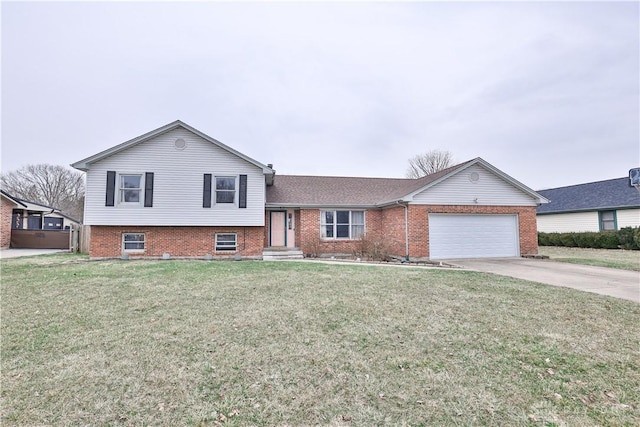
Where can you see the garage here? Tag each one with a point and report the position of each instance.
(473, 236)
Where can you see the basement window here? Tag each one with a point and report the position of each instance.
(226, 242)
(133, 242)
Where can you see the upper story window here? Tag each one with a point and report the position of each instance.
(607, 220)
(342, 224)
(225, 189)
(130, 188)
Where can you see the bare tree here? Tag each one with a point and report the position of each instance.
(430, 162)
(50, 185)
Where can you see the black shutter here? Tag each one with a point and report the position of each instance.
(206, 192)
(148, 189)
(242, 203)
(111, 188)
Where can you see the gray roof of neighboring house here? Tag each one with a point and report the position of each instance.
(609, 194)
(327, 191)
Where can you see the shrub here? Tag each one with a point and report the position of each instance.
(372, 249)
(628, 237)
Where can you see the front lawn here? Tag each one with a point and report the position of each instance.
(612, 258)
(281, 343)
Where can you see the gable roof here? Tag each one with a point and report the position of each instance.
(609, 194)
(11, 198)
(85, 164)
(328, 191)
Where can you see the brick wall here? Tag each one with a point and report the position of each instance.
(419, 225)
(106, 241)
(390, 224)
(6, 212)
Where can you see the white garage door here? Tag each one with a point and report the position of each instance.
(473, 236)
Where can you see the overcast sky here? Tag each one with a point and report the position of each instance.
(547, 92)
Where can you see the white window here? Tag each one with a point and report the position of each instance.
(133, 242)
(226, 242)
(342, 224)
(225, 189)
(130, 188)
(608, 220)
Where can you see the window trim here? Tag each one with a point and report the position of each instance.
(221, 248)
(140, 189)
(136, 250)
(215, 190)
(601, 221)
(335, 224)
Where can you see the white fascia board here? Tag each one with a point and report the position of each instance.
(316, 206)
(479, 161)
(85, 164)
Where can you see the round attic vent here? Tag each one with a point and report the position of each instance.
(474, 177)
(180, 144)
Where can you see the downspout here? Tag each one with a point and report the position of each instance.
(406, 228)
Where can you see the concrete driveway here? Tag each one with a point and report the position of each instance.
(15, 253)
(623, 284)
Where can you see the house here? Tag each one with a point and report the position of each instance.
(595, 206)
(176, 191)
(27, 224)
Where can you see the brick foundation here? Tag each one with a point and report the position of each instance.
(106, 241)
(389, 223)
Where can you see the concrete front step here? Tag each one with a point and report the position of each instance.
(270, 255)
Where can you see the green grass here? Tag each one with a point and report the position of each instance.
(612, 258)
(256, 343)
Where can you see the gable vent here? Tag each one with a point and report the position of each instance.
(180, 144)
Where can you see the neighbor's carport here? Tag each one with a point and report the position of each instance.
(473, 236)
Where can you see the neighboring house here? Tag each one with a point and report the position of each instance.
(180, 192)
(7, 204)
(595, 206)
(22, 218)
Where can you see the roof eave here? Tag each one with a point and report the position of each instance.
(85, 164)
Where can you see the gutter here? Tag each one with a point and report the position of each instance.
(405, 205)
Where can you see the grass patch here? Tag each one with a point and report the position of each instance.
(612, 258)
(258, 343)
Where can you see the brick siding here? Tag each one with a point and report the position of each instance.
(390, 224)
(419, 225)
(6, 213)
(106, 241)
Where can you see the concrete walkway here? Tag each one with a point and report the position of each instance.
(15, 253)
(617, 283)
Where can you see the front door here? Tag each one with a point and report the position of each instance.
(278, 228)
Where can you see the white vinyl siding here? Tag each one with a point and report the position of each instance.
(489, 189)
(628, 218)
(178, 184)
(584, 221)
(473, 236)
(569, 222)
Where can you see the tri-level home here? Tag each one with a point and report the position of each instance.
(177, 192)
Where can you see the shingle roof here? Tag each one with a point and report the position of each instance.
(14, 199)
(609, 194)
(346, 191)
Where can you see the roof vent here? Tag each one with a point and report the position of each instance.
(474, 177)
(180, 144)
